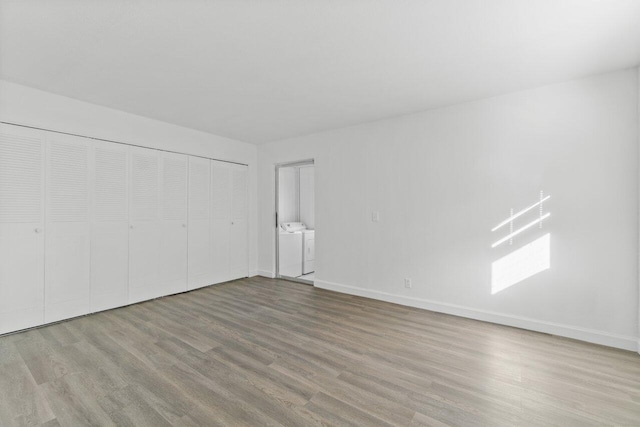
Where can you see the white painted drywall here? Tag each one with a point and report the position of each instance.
(307, 196)
(289, 195)
(28, 106)
(443, 178)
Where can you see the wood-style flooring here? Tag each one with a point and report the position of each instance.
(265, 352)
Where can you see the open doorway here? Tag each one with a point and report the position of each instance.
(295, 221)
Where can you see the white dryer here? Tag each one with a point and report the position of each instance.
(309, 245)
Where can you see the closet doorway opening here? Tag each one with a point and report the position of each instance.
(295, 221)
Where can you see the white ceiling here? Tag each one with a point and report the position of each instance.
(263, 70)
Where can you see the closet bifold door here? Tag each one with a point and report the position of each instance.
(173, 243)
(220, 220)
(21, 228)
(109, 226)
(145, 228)
(67, 238)
(199, 258)
(238, 251)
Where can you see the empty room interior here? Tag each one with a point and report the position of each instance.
(470, 167)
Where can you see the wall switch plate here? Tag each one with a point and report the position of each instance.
(407, 283)
(375, 216)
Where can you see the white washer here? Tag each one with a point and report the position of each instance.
(309, 245)
(290, 248)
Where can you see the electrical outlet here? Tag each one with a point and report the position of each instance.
(407, 283)
(375, 216)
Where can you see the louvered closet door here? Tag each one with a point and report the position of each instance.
(173, 246)
(109, 226)
(238, 251)
(21, 228)
(145, 228)
(67, 241)
(200, 268)
(220, 220)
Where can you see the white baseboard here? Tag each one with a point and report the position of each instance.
(583, 334)
(266, 273)
(253, 273)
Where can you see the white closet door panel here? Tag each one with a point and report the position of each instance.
(174, 187)
(239, 248)
(144, 187)
(67, 271)
(110, 265)
(110, 227)
(21, 277)
(144, 261)
(21, 228)
(145, 224)
(199, 188)
(238, 251)
(229, 220)
(110, 182)
(239, 202)
(21, 175)
(173, 258)
(68, 239)
(200, 252)
(67, 179)
(173, 249)
(220, 238)
(221, 196)
(220, 220)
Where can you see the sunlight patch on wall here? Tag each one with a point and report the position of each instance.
(513, 216)
(521, 264)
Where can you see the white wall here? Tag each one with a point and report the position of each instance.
(27, 106)
(443, 178)
(289, 195)
(307, 196)
(296, 196)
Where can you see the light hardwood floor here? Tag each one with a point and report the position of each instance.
(266, 352)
